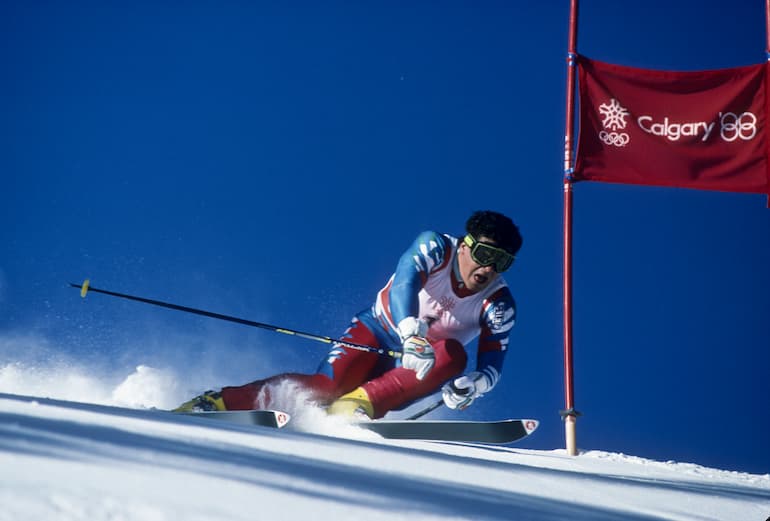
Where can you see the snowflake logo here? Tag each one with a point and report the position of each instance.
(446, 303)
(614, 115)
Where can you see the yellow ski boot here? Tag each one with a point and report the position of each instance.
(208, 401)
(355, 404)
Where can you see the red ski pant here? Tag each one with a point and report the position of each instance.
(387, 385)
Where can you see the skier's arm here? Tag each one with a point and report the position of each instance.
(497, 318)
(426, 254)
(429, 252)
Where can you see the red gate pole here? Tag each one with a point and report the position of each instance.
(767, 28)
(569, 414)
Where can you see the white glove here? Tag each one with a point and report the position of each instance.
(418, 356)
(461, 392)
(411, 326)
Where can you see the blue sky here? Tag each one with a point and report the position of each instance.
(272, 160)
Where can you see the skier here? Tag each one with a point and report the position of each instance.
(444, 293)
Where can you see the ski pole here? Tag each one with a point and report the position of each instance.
(86, 287)
(425, 411)
(438, 404)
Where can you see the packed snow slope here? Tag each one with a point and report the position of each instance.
(74, 461)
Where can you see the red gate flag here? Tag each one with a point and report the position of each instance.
(704, 129)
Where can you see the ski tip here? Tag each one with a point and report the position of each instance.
(530, 425)
(281, 418)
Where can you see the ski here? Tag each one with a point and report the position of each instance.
(263, 418)
(493, 432)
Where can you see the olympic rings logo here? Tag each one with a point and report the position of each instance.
(735, 126)
(618, 139)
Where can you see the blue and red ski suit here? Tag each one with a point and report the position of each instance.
(426, 285)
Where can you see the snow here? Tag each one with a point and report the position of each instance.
(68, 460)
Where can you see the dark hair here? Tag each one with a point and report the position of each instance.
(497, 227)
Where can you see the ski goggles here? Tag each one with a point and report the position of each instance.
(487, 255)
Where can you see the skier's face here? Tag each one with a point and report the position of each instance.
(475, 276)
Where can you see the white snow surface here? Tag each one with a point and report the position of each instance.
(64, 460)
